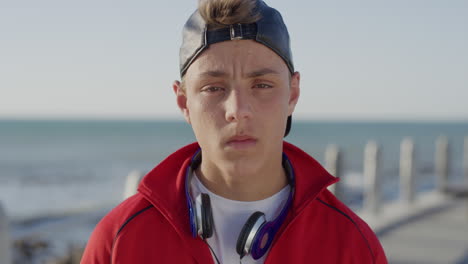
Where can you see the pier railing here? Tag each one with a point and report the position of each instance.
(384, 215)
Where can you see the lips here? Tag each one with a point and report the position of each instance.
(241, 142)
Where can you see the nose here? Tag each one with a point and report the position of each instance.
(238, 106)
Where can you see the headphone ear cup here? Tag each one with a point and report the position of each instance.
(207, 216)
(246, 231)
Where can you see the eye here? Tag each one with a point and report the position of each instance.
(263, 86)
(212, 89)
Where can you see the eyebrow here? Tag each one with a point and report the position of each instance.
(213, 74)
(254, 74)
(261, 72)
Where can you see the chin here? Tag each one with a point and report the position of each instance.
(243, 166)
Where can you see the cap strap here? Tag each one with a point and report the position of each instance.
(236, 31)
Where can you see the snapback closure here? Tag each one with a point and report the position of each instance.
(236, 31)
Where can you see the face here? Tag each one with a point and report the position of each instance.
(237, 96)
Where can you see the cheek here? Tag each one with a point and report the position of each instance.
(275, 110)
(275, 102)
(203, 113)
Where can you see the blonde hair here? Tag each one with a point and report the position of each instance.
(222, 13)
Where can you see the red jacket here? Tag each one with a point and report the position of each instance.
(153, 225)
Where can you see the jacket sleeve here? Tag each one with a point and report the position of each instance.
(374, 244)
(99, 247)
(380, 257)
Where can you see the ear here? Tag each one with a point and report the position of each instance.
(181, 98)
(295, 91)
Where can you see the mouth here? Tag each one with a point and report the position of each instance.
(241, 142)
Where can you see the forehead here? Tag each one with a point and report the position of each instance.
(237, 57)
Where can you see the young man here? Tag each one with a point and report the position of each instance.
(240, 194)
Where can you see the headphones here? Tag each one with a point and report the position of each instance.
(256, 235)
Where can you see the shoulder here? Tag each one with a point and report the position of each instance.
(122, 214)
(326, 231)
(100, 244)
(342, 213)
(349, 226)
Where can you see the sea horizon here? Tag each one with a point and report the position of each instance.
(52, 165)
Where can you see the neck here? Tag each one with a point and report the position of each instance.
(242, 183)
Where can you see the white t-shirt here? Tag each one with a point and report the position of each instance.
(229, 217)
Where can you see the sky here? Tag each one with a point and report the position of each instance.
(359, 60)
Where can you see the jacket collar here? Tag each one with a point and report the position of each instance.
(164, 186)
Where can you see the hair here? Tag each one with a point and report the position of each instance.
(222, 13)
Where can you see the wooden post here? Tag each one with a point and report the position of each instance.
(465, 170)
(407, 170)
(465, 160)
(371, 178)
(131, 185)
(333, 164)
(441, 163)
(5, 244)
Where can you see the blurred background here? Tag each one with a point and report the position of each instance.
(86, 97)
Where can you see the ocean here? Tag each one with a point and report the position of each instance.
(51, 167)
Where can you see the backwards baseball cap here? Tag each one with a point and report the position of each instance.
(269, 30)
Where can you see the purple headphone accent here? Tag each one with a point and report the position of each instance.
(272, 227)
(191, 203)
(257, 250)
(267, 228)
